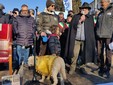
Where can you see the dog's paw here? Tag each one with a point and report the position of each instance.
(41, 81)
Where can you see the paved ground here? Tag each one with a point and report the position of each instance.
(78, 78)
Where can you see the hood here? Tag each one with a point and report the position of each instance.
(46, 11)
(1, 13)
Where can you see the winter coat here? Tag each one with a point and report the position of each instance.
(54, 45)
(89, 43)
(24, 30)
(46, 20)
(104, 26)
(4, 19)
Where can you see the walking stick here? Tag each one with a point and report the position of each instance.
(34, 81)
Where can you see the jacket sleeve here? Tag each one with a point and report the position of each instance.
(34, 26)
(15, 26)
(75, 21)
(39, 23)
(52, 46)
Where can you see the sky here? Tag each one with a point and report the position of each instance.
(10, 4)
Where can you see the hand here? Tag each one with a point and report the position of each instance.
(82, 18)
(36, 33)
(43, 34)
(54, 54)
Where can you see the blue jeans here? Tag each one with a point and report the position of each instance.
(23, 54)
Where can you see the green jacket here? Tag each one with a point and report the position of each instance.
(46, 20)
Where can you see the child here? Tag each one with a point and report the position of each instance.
(54, 43)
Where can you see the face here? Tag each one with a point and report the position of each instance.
(15, 13)
(104, 4)
(24, 10)
(57, 30)
(61, 16)
(84, 11)
(52, 7)
(69, 19)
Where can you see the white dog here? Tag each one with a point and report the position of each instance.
(58, 66)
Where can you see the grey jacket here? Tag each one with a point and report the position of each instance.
(104, 26)
(24, 27)
(46, 20)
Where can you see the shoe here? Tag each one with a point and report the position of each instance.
(107, 73)
(83, 71)
(100, 74)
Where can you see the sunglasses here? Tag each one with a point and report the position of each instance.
(14, 13)
(52, 5)
(24, 10)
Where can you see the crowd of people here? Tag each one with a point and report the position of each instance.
(77, 38)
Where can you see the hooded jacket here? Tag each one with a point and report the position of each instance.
(45, 20)
(104, 26)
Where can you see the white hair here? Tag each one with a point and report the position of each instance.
(108, 1)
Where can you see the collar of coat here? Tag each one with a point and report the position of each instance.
(48, 12)
(21, 15)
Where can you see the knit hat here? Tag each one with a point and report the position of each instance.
(2, 6)
(49, 3)
(15, 9)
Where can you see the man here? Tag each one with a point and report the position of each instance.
(3, 18)
(104, 33)
(15, 13)
(24, 30)
(46, 19)
(81, 38)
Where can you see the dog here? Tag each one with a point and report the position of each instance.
(57, 66)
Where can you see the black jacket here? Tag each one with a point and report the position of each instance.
(54, 45)
(24, 27)
(89, 38)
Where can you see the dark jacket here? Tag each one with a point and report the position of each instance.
(4, 19)
(24, 30)
(104, 24)
(89, 38)
(54, 45)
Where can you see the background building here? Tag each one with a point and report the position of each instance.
(94, 7)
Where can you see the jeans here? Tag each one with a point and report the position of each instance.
(23, 54)
(15, 57)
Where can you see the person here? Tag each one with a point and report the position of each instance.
(81, 37)
(15, 13)
(53, 42)
(63, 37)
(4, 19)
(24, 27)
(104, 30)
(61, 21)
(45, 20)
